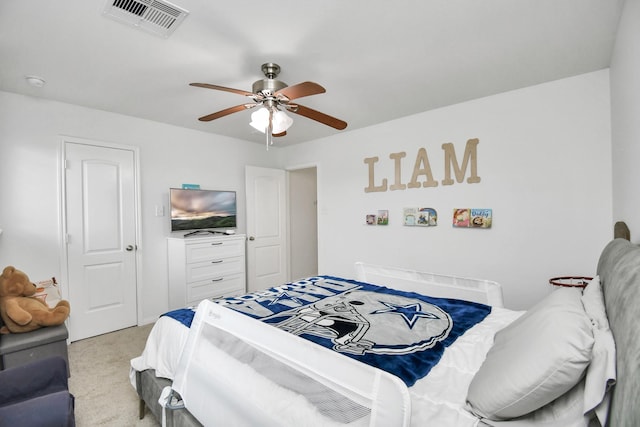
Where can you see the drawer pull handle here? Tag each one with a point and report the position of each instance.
(218, 279)
(217, 261)
(216, 243)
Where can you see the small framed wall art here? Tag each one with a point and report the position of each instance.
(472, 218)
(420, 217)
(383, 217)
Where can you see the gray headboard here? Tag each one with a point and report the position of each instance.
(619, 271)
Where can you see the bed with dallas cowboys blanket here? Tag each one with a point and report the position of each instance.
(332, 351)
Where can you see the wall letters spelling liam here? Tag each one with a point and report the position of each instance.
(422, 167)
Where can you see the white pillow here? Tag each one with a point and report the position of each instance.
(601, 373)
(534, 360)
(565, 411)
(593, 302)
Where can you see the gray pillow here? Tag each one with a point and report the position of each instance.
(534, 360)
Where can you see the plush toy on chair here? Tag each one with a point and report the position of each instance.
(20, 311)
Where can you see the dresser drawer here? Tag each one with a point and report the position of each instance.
(228, 286)
(197, 252)
(214, 269)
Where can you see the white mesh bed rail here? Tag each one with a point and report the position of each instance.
(432, 284)
(238, 371)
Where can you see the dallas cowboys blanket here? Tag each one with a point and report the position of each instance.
(403, 333)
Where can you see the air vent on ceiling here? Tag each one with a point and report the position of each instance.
(157, 17)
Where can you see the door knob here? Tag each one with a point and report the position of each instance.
(129, 248)
(252, 238)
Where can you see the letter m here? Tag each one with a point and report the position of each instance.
(470, 155)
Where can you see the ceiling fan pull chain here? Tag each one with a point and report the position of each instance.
(269, 131)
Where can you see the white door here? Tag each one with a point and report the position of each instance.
(100, 208)
(266, 228)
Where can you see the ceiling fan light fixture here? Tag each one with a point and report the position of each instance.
(260, 119)
(280, 122)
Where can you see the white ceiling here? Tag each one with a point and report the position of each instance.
(378, 60)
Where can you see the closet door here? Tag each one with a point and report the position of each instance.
(100, 208)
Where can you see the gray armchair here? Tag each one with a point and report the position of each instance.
(36, 395)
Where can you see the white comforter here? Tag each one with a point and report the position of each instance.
(438, 399)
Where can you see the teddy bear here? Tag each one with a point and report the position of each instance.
(20, 311)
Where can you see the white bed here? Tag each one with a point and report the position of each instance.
(457, 366)
(218, 385)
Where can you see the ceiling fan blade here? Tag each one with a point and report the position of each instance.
(226, 89)
(226, 112)
(300, 90)
(318, 116)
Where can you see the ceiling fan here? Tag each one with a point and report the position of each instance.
(274, 97)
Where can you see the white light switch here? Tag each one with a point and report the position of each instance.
(159, 210)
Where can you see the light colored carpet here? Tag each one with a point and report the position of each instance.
(100, 379)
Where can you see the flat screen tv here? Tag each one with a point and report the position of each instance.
(202, 209)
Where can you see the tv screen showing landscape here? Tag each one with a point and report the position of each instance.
(202, 209)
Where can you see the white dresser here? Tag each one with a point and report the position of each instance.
(205, 267)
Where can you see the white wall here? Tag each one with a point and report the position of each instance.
(169, 156)
(544, 159)
(625, 125)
